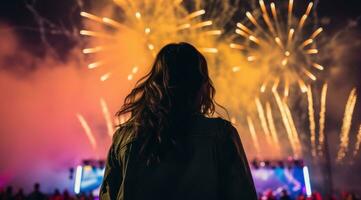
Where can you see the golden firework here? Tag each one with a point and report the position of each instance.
(280, 45)
(145, 28)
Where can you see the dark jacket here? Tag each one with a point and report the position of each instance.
(212, 166)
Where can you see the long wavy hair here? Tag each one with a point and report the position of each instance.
(176, 88)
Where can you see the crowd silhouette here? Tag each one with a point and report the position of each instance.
(37, 194)
(8, 193)
(269, 195)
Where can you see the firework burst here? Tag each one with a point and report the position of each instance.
(280, 44)
(147, 26)
(272, 42)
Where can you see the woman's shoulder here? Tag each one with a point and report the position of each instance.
(228, 130)
(122, 137)
(221, 121)
(223, 127)
(228, 137)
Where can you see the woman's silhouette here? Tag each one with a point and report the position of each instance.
(169, 148)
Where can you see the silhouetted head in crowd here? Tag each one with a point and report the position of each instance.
(37, 187)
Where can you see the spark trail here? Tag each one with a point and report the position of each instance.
(263, 121)
(311, 121)
(253, 135)
(358, 142)
(272, 128)
(322, 114)
(107, 117)
(346, 125)
(87, 130)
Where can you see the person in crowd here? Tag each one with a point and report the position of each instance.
(284, 195)
(270, 195)
(316, 196)
(36, 194)
(1, 193)
(351, 196)
(82, 196)
(91, 196)
(331, 197)
(8, 194)
(20, 195)
(67, 196)
(301, 196)
(56, 195)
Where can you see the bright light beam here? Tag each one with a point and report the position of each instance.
(306, 177)
(78, 176)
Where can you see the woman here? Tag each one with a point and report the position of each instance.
(168, 148)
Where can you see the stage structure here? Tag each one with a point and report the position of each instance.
(269, 176)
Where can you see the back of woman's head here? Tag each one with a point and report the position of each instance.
(177, 86)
